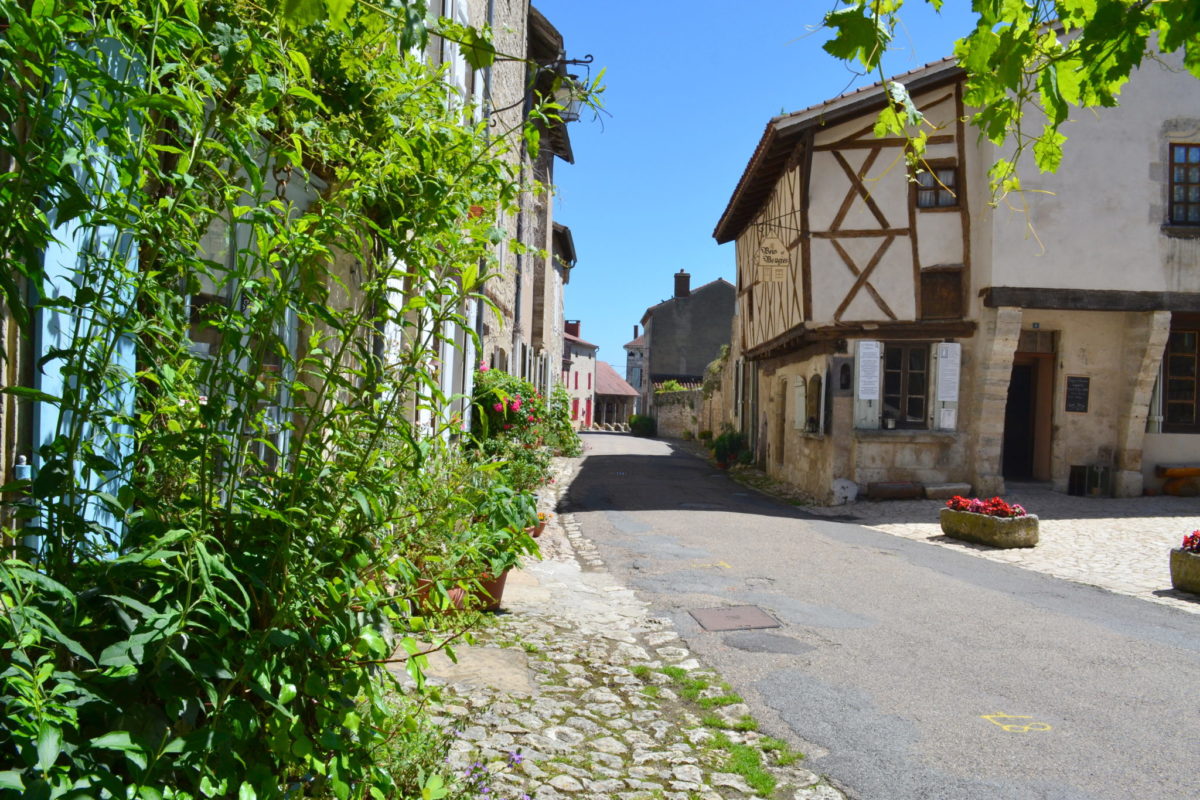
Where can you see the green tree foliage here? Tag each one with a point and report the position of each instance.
(1052, 54)
(298, 166)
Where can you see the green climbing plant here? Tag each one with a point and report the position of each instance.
(273, 211)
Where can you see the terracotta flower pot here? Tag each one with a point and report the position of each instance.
(490, 592)
(486, 598)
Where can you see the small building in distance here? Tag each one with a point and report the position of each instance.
(579, 374)
(684, 334)
(635, 366)
(615, 398)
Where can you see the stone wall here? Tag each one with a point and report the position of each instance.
(678, 413)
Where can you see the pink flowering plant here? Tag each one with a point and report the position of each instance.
(995, 507)
(508, 428)
(505, 402)
(1191, 542)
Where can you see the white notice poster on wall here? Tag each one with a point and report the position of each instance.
(949, 356)
(868, 370)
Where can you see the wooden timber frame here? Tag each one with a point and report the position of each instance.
(774, 200)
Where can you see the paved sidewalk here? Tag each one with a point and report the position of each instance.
(1119, 544)
(574, 690)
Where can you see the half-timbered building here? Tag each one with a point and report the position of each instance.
(894, 324)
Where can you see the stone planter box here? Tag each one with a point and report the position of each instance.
(1185, 570)
(992, 531)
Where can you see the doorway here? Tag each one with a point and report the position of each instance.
(1027, 418)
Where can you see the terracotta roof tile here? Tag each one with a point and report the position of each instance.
(609, 382)
(579, 341)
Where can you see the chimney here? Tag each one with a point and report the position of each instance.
(571, 326)
(682, 284)
(635, 333)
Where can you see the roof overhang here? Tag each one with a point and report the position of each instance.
(806, 335)
(564, 246)
(546, 49)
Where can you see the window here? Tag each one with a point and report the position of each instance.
(937, 187)
(576, 380)
(574, 408)
(1180, 373)
(905, 385)
(589, 380)
(815, 407)
(941, 293)
(1184, 199)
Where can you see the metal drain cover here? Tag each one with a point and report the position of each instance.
(733, 618)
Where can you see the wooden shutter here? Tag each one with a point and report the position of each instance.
(800, 409)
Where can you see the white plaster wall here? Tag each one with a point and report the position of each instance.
(939, 237)
(1096, 223)
(1167, 448)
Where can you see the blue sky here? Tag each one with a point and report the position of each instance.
(690, 89)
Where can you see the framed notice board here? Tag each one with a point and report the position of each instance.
(1078, 389)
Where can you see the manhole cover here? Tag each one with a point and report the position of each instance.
(734, 618)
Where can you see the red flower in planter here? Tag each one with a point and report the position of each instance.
(1191, 542)
(995, 507)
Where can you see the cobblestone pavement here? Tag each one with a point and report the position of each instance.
(600, 699)
(1119, 544)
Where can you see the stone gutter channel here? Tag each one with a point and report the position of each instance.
(575, 690)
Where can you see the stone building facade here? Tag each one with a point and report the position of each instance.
(635, 366)
(685, 333)
(891, 329)
(524, 335)
(579, 375)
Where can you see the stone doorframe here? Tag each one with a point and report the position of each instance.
(1000, 331)
(1145, 341)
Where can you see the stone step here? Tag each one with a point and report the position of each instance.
(944, 491)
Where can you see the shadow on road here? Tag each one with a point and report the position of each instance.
(675, 481)
(621, 473)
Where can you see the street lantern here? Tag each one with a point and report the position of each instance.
(568, 94)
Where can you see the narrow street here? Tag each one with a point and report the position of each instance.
(902, 669)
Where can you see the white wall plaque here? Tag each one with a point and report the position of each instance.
(868, 371)
(949, 355)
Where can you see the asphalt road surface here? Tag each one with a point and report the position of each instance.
(904, 670)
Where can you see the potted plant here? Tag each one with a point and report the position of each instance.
(542, 518)
(727, 447)
(486, 539)
(992, 522)
(1185, 564)
(496, 552)
(497, 539)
